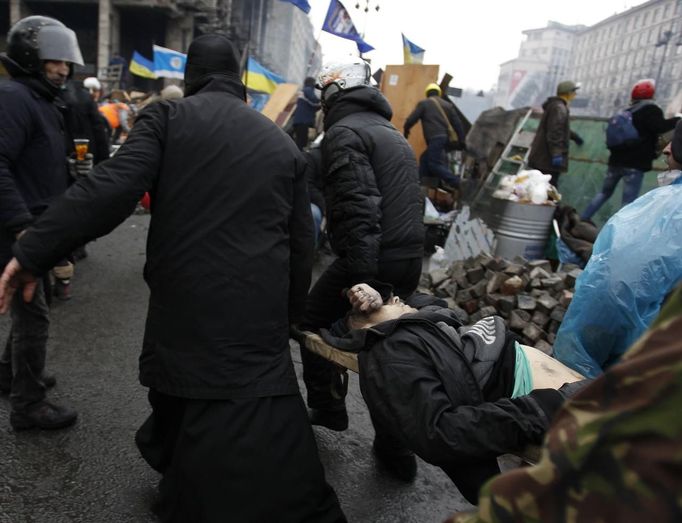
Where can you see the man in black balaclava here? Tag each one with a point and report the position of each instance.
(39, 58)
(229, 258)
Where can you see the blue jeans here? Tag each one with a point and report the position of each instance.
(632, 183)
(434, 161)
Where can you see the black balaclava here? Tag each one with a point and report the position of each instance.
(210, 55)
(676, 144)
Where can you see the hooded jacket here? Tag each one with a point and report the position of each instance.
(433, 123)
(229, 251)
(374, 205)
(551, 137)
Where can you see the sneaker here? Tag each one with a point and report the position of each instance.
(42, 415)
(398, 462)
(49, 380)
(333, 419)
(62, 289)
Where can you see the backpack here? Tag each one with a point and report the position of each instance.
(620, 131)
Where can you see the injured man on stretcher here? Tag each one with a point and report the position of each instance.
(456, 395)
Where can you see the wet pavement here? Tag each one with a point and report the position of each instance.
(93, 472)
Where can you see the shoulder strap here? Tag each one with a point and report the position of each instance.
(451, 131)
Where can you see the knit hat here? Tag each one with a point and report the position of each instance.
(676, 144)
(211, 54)
(567, 87)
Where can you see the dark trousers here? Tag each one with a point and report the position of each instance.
(326, 304)
(434, 161)
(301, 135)
(23, 360)
(242, 460)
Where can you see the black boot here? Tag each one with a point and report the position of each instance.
(42, 415)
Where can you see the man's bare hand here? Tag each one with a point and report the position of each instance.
(364, 298)
(13, 278)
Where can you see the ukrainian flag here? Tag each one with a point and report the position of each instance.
(140, 66)
(412, 53)
(258, 78)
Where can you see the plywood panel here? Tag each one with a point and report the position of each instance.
(403, 86)
(278, 108)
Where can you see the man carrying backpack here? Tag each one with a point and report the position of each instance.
(632, 136)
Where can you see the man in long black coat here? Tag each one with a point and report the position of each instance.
(229, 255)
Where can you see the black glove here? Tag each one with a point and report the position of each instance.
(78, 168)
(578, 139)
(568, 390)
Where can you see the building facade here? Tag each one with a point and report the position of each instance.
(642, 42)
(543, 61)
(607, 59)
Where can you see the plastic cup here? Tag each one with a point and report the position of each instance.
(81, 145)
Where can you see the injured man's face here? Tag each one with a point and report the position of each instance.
(368, 309)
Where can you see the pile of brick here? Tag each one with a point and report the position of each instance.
(529, 295)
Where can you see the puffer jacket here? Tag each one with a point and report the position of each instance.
(551, 138)
(374, 204)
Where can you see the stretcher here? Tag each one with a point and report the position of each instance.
(349, 361)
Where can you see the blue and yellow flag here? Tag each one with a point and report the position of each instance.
(339, 23)
(412, 53)
(260, 79)
(140, 66)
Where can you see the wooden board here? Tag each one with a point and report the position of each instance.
(403, 86)
(281, 103)
(314, 343)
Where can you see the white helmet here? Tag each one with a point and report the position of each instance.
(339, 76)
(92, 84)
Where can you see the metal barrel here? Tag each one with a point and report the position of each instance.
(520, 229)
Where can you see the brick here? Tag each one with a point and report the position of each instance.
(512, 285)
(533, 333)
(565, 299)
(518, 319)
(551, 338)
(572, 276)
(558, 314)
(553, 326)
(546, 303)
(475, 275)
(443, 290)
(470, 306)
(553, 283)
(540, 319)
(506, 304)
(488, 311)
(463, 295)
(438, 276)
(457, 267)
(514, 269)
(478, 290)
(495, 282)
(526, 302)
(539, 273)
(535, 283)
(492, 299)
(545, 265)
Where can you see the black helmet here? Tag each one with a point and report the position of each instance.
(35, 39)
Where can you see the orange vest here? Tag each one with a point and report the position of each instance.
(110, 112)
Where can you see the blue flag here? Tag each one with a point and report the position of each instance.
(303, 5)
(412, 53)
(339, 23)
(169, 63)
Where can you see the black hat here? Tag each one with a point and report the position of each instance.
(211, 54)
(676, 144)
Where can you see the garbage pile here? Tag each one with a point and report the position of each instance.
(529, 295)
(527, 187)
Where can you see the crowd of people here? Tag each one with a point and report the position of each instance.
(228, 429)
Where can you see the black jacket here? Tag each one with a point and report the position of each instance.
(83, 120)
(551, 138)
(433, 123)
(315, 178)
(229, 251)
(32, 156)
(650, 123)
(374, 205)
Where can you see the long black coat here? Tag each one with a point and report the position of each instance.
(374, 204)
(551, 138)
(32, 156)
(229, 251)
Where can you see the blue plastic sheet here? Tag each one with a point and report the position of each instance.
(636, 262)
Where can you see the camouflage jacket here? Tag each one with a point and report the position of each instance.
(613, 453)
